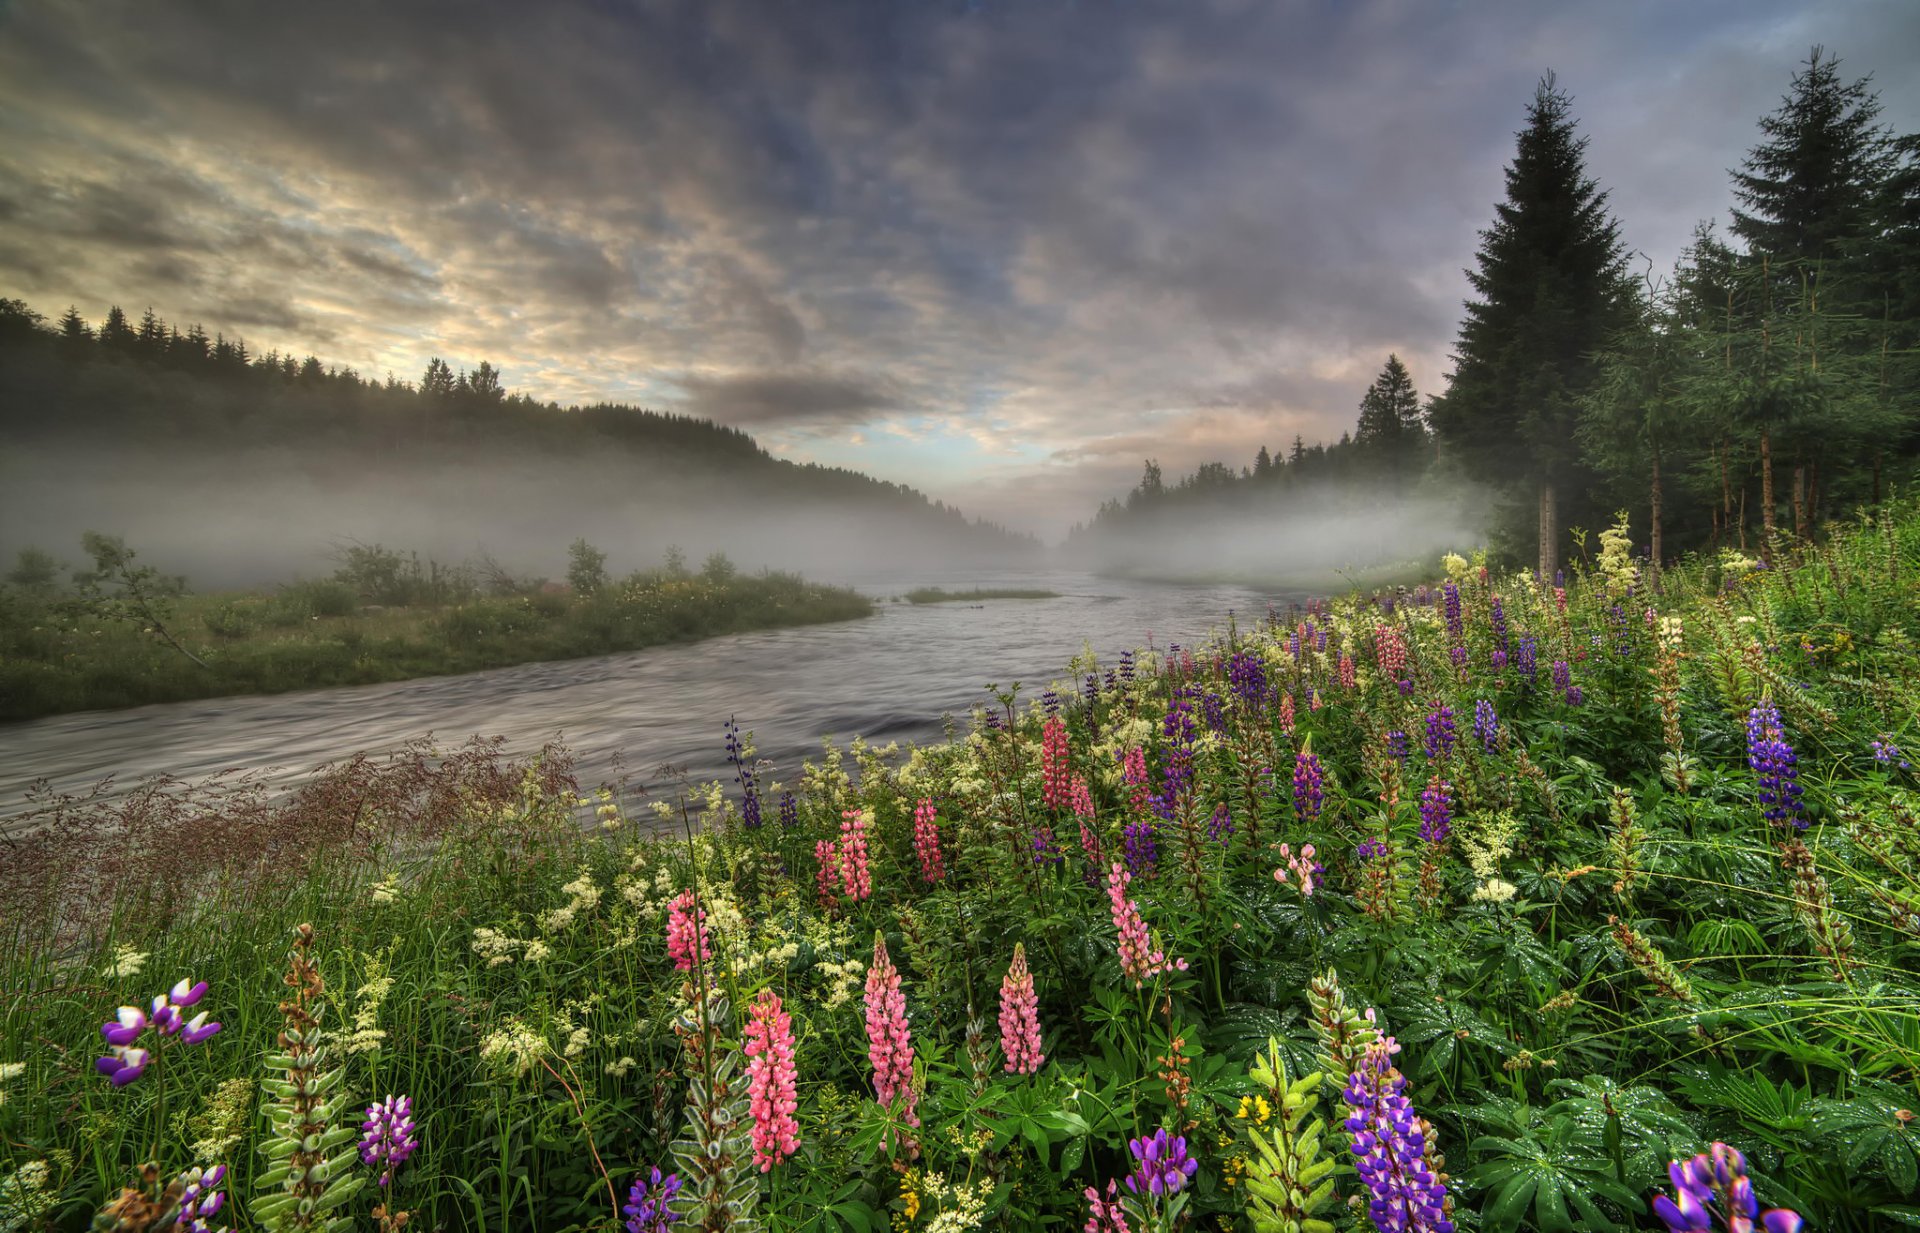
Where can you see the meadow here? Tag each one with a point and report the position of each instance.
(1477, 905)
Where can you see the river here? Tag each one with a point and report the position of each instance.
(888, 677)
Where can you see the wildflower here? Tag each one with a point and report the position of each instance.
(1141, 847)
(1397, 746)
(1774, 765)
(1367, 849)
(686, 932)
(1440, 731)
(1303, 867)
(770, 1081)
(1718, 1176)
(1247, 679)
(1308, 783)
(1286, 714)
(1081, 799)
(1450, 596)
(1020, 1017)
(926, 841)
(738, 755)
(1133, 773)
(200, 1198)
(1526, 657)
(827, 878)
(1161, 1164)
(889, 1038)
(1436, 811)
(1349, 676)
(1139, 960)
(647, 1209)
(1390, 650)
(127, 1061)
(1497, 620)
(513, 1048)
(1220, 826)
(856, 877)
(386, 1136)
(1390, 1147)
(127, 962)
(789, 810)
(1885, 752)
(1486, 724)
(1054, 771)
(1105, 1215)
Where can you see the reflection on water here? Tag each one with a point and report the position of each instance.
(888, 677)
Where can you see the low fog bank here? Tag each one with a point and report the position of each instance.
(263, 515)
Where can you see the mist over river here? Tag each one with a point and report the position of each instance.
(888, 677)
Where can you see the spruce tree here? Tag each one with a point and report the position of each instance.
(1551, 288)
(1390, 434)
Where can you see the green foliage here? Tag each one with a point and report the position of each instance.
(1291, 1177)
(586, 567)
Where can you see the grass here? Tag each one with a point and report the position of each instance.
(939, 595)
(55, 658)
(1594, 948)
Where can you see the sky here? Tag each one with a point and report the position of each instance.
(999, 251)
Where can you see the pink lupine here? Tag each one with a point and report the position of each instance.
(889, 1040)
(1286, 714)
(1054, 770)
(827, 879)
(686, 932)
(1389, 650)
(856, 877)
(1081, 799)
(926, 841)
(1349, 677)
(1560, 599)
(771, 1097)
(1133, 773)
(1020, 1017)
(1304, 867)
(1139, 960)
(1105, 1215)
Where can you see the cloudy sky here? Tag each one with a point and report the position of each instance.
(1001, 251)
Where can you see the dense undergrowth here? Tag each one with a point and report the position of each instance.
(1620, 873)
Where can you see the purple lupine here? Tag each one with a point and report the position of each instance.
(789, 810)
(1214, 709)
(1220, 826)
(1455, 625)
(387, 1136)
(1441, 734)
(1436, 811)
(1161, 1165)
(743, 775)
(1458, 655)
(1309, 783)
(1526, 657)
(1886, 753)
(1718, 1176)
(1046, 849)
(1486, 724)
(1367, 849)
(1775, 765)
(126, 1060)
(1126, 667)
(1141, 847)
(1390, 1148)
(1497, 618)
(646, 1209)
(1112, 681)
(1090, 690)
(1397, 746)
(1050, 701)
(1406, 688)
(200, 1199)
(1563, 681)
(1180, 733)
(1247, 679)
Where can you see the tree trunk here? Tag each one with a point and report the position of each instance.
(1743, 516)
(1726, 489)
(1766, 492)
(1653, 550)
(1876, 477)
(1800, 527)
(1549, 533)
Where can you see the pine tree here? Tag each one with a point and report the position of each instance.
(1551, 288)
(438, 382)
(1263, 465)
(75, 334)
(116, 334)
(1390, 433)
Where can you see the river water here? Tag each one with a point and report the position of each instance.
(887, 677)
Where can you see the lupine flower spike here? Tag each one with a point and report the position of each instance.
(1390, 1147)
(1020, 1017)
(1718, 1178)
(1161, 1165)
(686, 932)
(889, 1040)
(771, 1081)
(387, 1136)
(646, 1210)
(126, 1060)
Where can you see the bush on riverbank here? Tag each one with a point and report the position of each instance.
(1619, 875)
(384, 618)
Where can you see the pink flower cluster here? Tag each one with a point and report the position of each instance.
(856, 878)
(771, 1098)
(686, 932)
(1349, 676)
(1105, 1215)
(1020, 1017)
(1133, 773)
(1390, 650)
(926, 842)
(1286, 714)
(826, 880)
(1304, 867)
(1054, 768)
(889, 1040)
(1139, 960)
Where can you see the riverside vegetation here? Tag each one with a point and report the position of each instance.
(1586, 903)
(126, 635)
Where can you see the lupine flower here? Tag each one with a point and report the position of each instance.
(1286, 714)
(1458, 655)
(1126, 667)
(1050, 702)
(387, 1136)
(926, 841)
(1440, 731)
(789, 810)
(1105, 1215)
(686, 932)
(1220, 826)
(1349, 675)
(771, 1097)
(1139, 959)
(647, 1209)
(1080, 799)
(1718, 1177)
(889, 1039)
(1213, 708)
(1367, 849)
(743, 775)
(1020, 1017)
(1397, 746)
(1773, 762)
(1390, 650)
(1308, 783)
(1046, 848)
(856, 876)
(1055, 787)
(1390, 1147)
(1090, 690)
(1497, 618)
(1142, 848)
(1436, 811)
(1456, 626)
(1526, 657)
(1486, 724)
(1885, 752)
(1562, 675)
(1303, 867)
(1133, 773)
(827, 879)
(200, 1198)
(1161, 1165)
(126, 1060)
(1247, 678)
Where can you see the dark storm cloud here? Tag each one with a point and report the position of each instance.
(1051, 235)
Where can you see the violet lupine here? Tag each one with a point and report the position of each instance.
(771, 1094)
(889, 1038)
(1214, 709)
(126, 1060)
(1526, 657)
(1046, 848)
(1436, 811)
(1090, 690)
(1247, 679)
(1718, 1177)
(1486, 724)
(687, 942)
(1441, 734)
(1126, 667)
(200, 1199)
(743, 775)
(789, 810)
(1390, 1147)
(926, 841)
(1140, 960)
(1497, 619)
(1456, 625)
(387, 1136)
(1775, 765)
(1161, 1165)
(1886, 753)
(1055, 774)
(856, 875)
(1020, 1017)
(1458, 655)
(1105, 1215)
(1309, 780)
(1397, 747)
(1367, 849)
(1220, 826)
(647, 1209)
(1141, 846)
(1050, 702)
(1303, 867)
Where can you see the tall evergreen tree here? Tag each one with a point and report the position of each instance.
(116, 334)
(1390, 433)
(1551, 287)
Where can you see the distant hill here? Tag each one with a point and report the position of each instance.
(238, 468)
